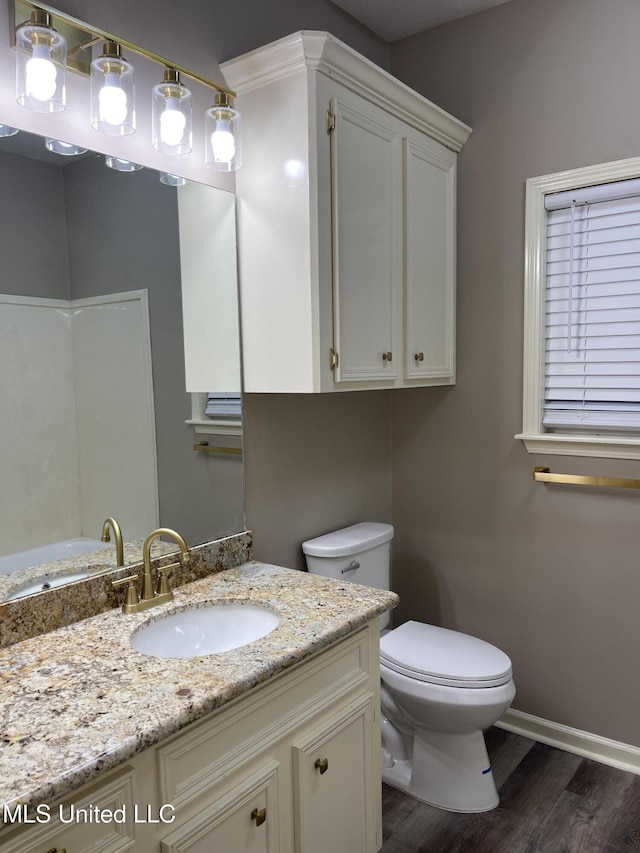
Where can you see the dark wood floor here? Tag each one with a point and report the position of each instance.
(550, 802)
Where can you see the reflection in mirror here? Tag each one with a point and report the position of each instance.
(96, 264)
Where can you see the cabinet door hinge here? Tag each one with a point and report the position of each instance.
(333, 359)
(331, 121)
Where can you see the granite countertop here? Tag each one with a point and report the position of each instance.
(79, 701)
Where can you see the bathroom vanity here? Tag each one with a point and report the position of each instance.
(273, 746)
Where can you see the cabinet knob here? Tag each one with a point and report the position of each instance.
(419, 356)
(259, 815)
(322, 764)
(387, 356)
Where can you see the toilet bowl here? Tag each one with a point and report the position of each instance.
(439, 688)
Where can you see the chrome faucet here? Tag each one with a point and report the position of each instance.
(117, 534)
(149, 597)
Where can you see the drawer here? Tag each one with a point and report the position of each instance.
(108, 827)
(246, 819)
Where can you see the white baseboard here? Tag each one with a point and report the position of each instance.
(602, 749)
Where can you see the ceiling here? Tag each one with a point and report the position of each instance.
(395, 19)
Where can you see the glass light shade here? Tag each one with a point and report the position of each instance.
(121, 165)
(41, 55)
(113, 93)
(7, 130)
(171, 116)
(67, 149)
(172, 180)
(223, 138)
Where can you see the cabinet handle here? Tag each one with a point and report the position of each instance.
(419, 356)
(387, 356)
(259, 815)
(322, 764)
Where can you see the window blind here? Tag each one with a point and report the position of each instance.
(592, 372)
(224, 405)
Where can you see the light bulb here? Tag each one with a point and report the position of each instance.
(41, 74)
(223, 143)
(112, 101)
(172, 123)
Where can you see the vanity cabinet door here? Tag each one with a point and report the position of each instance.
(244, 820)
(429, 261)
(336, 783)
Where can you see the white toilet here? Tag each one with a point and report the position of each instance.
(439, 688)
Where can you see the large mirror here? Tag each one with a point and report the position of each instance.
(96, 420)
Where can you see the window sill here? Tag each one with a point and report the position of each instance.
(608, 447)
(213, 427)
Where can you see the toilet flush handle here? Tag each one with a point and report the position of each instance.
(353, 565)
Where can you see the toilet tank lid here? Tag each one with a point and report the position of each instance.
(349, 540)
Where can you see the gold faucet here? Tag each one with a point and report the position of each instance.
(147, 581)
(149, 597)
(117, 533)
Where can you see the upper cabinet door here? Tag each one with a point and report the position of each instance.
(367, 241)
(429, 215)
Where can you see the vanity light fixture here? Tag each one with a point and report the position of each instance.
(7, 130)
(121, 165)
(113, 92)
(57, 146)
(41, 85)
(172, 180)
(171, 115)
(222, 132)
(41, 56)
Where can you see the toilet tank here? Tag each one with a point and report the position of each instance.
(360, 553)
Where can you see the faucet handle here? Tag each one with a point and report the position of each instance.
(131, 600)
(163, 575)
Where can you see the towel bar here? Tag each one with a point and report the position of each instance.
(205, 447)
(544, 475)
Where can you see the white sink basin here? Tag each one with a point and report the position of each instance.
(45, 582)
(205, 630)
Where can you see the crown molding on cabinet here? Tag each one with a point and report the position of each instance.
(323, 52)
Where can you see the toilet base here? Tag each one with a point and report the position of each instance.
(447, 770)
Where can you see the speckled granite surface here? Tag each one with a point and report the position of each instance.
(46, 611)
(79, 700)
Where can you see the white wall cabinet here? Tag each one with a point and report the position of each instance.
(346, 217)
(291, 767)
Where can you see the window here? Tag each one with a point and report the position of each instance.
(582, 312)
(216, 413)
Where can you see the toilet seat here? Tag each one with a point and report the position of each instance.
(441, 656)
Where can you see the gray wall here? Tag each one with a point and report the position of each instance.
(314, 463)
(548, 573)
(33, 243)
